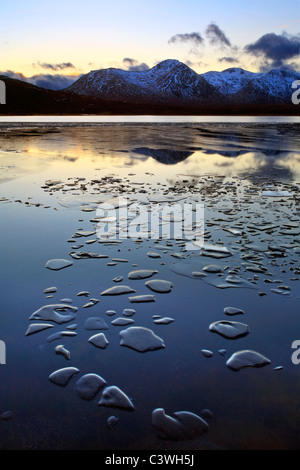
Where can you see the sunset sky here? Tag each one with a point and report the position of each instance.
(66, 38)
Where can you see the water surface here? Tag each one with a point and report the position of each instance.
(246, 173)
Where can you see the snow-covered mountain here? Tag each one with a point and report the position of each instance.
(172, 82)
(271, 87)
(230, 80)
(168, 82)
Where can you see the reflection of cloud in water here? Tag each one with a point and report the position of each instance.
(165, 149)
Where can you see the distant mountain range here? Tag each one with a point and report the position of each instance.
(170, 87)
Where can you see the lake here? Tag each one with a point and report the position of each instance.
(74, 194)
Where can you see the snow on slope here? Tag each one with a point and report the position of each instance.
(173, 82)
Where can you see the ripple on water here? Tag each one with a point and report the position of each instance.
(184, 425)
(141, 339)
(89, 385)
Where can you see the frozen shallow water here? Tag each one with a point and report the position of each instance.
(53, 179)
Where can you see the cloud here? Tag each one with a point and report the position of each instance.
(216, 36)
(192, 64)
(133, 65)
(229, 60)
(195, 38)
(51, 82)
(276, 48)
(55, 67)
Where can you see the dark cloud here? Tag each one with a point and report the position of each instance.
(229, 60)
(55, 67)
(216, 36)
(192, 64)
(277, 49)
(51, 82)
(133, 65)
(195, 38)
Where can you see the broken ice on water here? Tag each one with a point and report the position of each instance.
(63, 376)
(89, 385)
(58, 264)
(55, 312)
(141, 339)
(183, 426)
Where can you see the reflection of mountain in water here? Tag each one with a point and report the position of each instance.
(166, 156)
(269, 146)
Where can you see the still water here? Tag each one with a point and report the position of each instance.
(245, 173)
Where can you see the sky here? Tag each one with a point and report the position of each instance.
(53, 43)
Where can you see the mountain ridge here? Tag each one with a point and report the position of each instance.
(171, 81)
(168, 88)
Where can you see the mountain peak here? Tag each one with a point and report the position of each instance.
(168, 64)
(173, 82)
